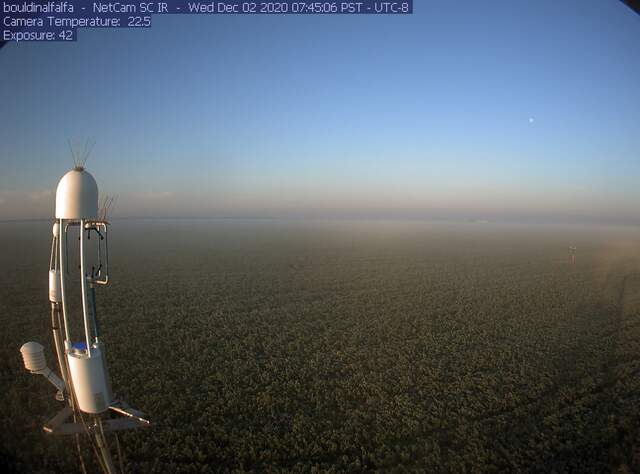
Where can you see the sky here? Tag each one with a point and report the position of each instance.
(476, 110)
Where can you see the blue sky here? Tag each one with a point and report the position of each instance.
(422, 115)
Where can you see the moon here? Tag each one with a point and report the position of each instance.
(531, 120)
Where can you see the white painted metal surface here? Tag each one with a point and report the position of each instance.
(77, 196)
(89, 379)
(54, 286)
(33, 356)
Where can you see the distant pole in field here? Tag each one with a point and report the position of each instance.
(572, 251)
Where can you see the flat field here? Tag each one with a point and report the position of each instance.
(280, 346)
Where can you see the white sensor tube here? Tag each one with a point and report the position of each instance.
(83, 283)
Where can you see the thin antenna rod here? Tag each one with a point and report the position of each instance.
(112, 204)
(80, 158)
(108, 204)
(73, 153)
(88, 148)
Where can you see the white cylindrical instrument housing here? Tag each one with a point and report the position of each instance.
(90, 380)
(55, 296)
(33, 356)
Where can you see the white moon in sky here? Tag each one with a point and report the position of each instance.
(531, 120)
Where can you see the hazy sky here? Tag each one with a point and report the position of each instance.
(510, 108)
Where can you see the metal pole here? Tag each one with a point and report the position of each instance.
(104, 449)
(62, 256)
(57, 339)
(94, 311)
(83, 283)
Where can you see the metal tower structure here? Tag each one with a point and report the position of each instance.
(82, 381)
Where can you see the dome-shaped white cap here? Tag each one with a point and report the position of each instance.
(77, 196)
